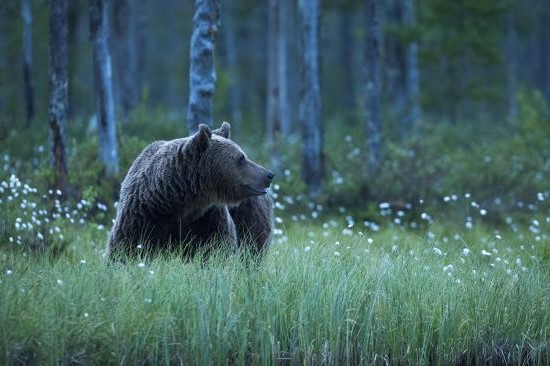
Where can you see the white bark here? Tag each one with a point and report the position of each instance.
(26, 14)
(373, 86)
(108, 150)
(58, 84)
(126, 30)
(413, 74)
(202, 73)
(310, 101)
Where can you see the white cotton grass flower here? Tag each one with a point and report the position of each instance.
(438, 251)
(141, 265)
(465, 252)
(336, 253)
(307, 249)
(485, 253)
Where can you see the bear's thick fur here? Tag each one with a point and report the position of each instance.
(197, 190)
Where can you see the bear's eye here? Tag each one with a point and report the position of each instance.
(241, 159)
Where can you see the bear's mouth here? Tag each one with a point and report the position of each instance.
(255, 191)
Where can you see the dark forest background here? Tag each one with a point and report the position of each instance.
(461, 87)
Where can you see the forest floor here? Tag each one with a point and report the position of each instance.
(323, 293)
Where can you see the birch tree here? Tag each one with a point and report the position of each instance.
(58, 84)
(373, 87)
(230, 52)
(310, 97)
(26, 14)
(126, 31)
(202, 73)
(413, 76)
(108, 150)
(278, 117)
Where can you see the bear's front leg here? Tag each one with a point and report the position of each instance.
(213, 229)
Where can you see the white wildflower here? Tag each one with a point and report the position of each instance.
(437, 251)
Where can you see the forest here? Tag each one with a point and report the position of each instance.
(410, 142)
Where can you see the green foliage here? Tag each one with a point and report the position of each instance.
(498, 165)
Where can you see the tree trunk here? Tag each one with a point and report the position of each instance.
(511, 65)
(282, 67)
(202, 73)
(108, 153)
(310, 98)
(278, 114)
(346, 61)
(126, 22)
(393, 74)
(413, 78)
(234, 98)
(26, 14)
(373, 87)
(273, 117)
(58, 84)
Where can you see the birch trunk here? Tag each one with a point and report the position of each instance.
(310, 98)
(372, 87)
(108, 150)
(26, 14)
(58, 85)
(413, 74)
(230, 51)
(126, 34)
(202, 73)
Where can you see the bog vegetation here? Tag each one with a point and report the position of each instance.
(447, 269)
(439, 255)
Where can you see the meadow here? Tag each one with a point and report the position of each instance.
(403, 288)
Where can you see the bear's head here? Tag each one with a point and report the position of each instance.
(229, 175)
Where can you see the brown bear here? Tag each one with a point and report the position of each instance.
(198, 191)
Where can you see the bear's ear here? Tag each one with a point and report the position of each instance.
(224, 130)
(200, 140)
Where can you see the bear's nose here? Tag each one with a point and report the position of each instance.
(270, 175)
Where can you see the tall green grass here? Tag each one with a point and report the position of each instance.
(334, 299)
